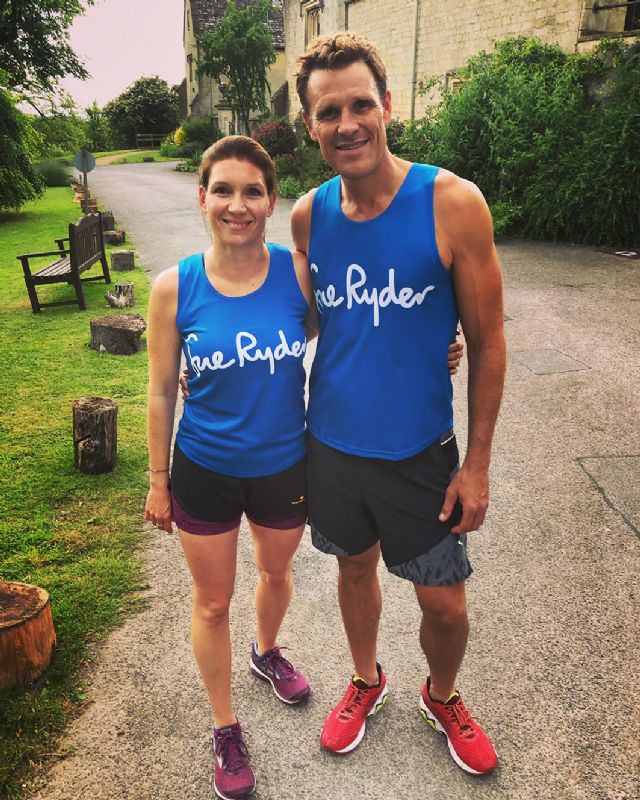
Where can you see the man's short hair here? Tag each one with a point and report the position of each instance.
(335, 51)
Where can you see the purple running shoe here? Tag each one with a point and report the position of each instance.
(233, 778)
(288, 683)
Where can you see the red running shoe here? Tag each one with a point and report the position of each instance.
(344, 728)
(469, 745)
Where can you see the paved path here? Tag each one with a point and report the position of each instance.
(552, 664)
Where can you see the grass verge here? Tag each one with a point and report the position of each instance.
(75, 535)
(138, 156)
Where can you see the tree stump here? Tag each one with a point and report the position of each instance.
(118, 334)
(27, 635)
(122, 260)
(108, 222)
(95, 437)
(114, 237)
(122, 297)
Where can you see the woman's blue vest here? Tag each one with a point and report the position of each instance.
(245, 413)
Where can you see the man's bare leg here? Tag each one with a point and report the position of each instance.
(443, 634)
(361, 605)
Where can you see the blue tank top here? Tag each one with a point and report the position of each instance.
(245, 413)
(379, 384)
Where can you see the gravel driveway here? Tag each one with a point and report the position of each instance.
(551, 669)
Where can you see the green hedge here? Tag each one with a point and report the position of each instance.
(552, 139)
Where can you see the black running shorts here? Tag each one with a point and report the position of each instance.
(206, 502)
(355, 502)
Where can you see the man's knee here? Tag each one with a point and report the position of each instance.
(443, 606)
(362, 567)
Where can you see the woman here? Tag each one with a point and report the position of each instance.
(239, 314)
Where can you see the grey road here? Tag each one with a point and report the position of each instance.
(551, 669)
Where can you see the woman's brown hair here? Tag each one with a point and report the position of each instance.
(244, 149)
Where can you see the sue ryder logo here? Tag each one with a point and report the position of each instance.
(246, 351)
(357, 293)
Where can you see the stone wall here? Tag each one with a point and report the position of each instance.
(448, 33)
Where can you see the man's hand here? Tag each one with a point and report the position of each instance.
(184, 382)
(454, 354)
(471, 489)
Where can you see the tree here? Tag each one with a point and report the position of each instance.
(149, 105)
(18, 180)
(60, 134)
(34, 49)
(97, 127)
(241, 49)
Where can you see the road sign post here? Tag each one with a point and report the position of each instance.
(84, 162)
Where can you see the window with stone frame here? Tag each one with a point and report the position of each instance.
(311, 12)
(610, 18)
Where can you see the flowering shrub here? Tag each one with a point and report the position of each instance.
(277, 137)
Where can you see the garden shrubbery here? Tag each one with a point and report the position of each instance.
(277, 136)
(198, 133)
(551, 138)
(53, 172)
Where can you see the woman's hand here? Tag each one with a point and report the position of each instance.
(184, 382)
(454, 354)
(158, 507)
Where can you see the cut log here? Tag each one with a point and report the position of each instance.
(95, 436)
(122, 260)
(27, 635)
(114, 237)
(118, 334)
(122, 297)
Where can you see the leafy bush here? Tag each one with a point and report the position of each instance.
(395, 130)
(277, 137)
(190, 148)
(178, 136)
(169, 149)
(199, 131)
(551, 138)
(288, 165)
(53, 172)
(290, 188)
(314, 170)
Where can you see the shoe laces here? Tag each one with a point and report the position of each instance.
(459, 714)
(230, 747)
(354, 700)
(279, 664)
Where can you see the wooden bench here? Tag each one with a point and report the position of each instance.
(85, 248)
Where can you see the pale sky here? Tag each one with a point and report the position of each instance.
(121, 40)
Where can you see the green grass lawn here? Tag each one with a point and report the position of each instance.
(136, 157)
(75, 535)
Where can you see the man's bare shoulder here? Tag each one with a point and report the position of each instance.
(301, 221)
(456, 193)
(460, 207)
(302, 207)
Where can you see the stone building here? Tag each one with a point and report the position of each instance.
(418, 39)
(204, 96)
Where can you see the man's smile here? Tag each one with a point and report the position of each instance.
(352, 145)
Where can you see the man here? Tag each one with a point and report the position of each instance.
(398, 252)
